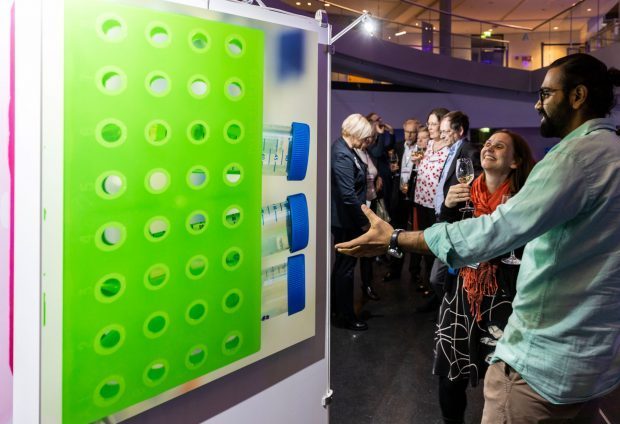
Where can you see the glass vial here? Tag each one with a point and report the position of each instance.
(284, 288)
(286, 150)
(285, 225)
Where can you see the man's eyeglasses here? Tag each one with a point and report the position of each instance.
(410, 132)
(545, 93)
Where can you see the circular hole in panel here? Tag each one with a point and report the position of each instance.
(231, 343)
(157, 228)
(234, 89)
(233, 131)
(232, 301)
(196, 356)
(233, 174)
(110, 236)
(198, 132)
(232, 216)
(109, 390)
(156, 324)
(156, 276)
(109, 288)
(196, 267)
(158, 83)
(198, 86)
(197, 222)
(111, 28)
(197, 177)
(158, 34)
(110, 185)
(109, 339)
(235, 45)
(155, 372)
(157, 132)
(199, 41)
(196, 312)
(111, 133)
(157, 181)
(111, 80)
(232, 258)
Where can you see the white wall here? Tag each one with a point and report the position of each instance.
(301, 405)
(6, 378)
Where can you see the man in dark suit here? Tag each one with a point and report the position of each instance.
(453, 128)
(401, 202)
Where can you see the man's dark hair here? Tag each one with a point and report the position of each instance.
(458, 120)
(583, 69)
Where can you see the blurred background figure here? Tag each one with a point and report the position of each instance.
(374, 186)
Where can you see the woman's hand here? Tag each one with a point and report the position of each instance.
(378, 184)
(456, 194)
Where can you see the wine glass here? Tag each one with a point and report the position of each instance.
(393, 158)
(417, 154)
(404, 185)
(465, 175)
(512, 259)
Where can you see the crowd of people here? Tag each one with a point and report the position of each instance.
(523, 261)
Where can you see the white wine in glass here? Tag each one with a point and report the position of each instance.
(512, 259)
(465, 175)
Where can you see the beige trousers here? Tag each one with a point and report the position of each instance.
(509, 400)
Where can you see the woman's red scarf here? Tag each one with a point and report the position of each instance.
(481, 282)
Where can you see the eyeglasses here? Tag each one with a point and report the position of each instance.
(445, 132)
(410, 132)
(432, 124)
(545, 93)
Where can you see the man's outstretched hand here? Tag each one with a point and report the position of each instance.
(374, 242)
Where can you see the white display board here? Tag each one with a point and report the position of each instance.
(292, 347)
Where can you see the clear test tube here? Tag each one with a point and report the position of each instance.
(286, 150)
(284, 288)
(285, 225)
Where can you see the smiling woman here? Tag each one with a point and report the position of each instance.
(478, 299)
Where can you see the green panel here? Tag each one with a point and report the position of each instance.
(140, 316)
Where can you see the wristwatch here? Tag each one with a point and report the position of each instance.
(393, 249)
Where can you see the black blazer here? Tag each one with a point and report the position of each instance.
(399, 149)
(467, 150)
(348, 184)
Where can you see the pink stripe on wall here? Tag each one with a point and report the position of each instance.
(12, 181)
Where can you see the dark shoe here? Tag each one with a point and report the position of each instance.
(356, 325)
(389, 276)
(431, 305)
(370, 293)
(428, 293)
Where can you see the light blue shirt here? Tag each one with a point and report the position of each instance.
(444, 174)
(563, 336)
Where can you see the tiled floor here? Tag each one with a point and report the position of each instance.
(383, 375)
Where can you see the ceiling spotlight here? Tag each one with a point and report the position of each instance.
(555, 27)
(309, 4)
(589, 10)
(327, 4)
(298, 3)
(364, 11)
(417, 24)
(369, 25)
(398, 34)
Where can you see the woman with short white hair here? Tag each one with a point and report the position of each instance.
(348, 187)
